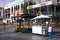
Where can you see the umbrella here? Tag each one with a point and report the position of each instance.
(19, 20)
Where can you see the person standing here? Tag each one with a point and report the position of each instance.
(50, 31)
(46, 28)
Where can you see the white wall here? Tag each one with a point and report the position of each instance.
(1, 16)
(12, 4)
(1, 12)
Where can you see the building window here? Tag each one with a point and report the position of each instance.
(58, 9)
(58, 0)
(8, 10)
(18, 6)
(5, 10)
(15, 8)
(58, 20)
(12, 9)
(0, 13)
(54, 19)
(31, 11)
(49, 0)
(8, 15)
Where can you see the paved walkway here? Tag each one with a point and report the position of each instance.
(8, 29)
(27, 36)
(8, 34)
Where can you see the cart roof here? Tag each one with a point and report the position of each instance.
(41, 16)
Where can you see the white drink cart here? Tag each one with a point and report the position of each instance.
(38, 29)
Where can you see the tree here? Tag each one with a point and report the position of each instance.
(24, 7)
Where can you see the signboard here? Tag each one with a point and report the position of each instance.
(16, 14)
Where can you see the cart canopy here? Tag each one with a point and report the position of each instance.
(41, 16)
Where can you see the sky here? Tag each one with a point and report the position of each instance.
(4, 2)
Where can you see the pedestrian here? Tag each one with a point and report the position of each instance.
(4, 25)
(50, 31)
(7, 21)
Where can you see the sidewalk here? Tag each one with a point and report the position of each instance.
(56, 31)
(8, 34)
(8, 29)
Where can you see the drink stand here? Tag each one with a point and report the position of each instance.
(40, 28)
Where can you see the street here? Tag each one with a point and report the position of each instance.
(8, 34)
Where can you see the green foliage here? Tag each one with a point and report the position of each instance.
(27, 19)
(24, 7)
(30, 3)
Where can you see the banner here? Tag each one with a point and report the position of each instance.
(16, 14)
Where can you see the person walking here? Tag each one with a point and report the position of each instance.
(3, 25)
(7, 21)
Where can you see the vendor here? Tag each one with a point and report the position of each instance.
(46, 27)
(47, 24)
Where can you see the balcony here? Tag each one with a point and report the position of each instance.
(40, 5)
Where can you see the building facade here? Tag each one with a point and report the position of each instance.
(10, 8)
(1, 15)
(46, 7)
